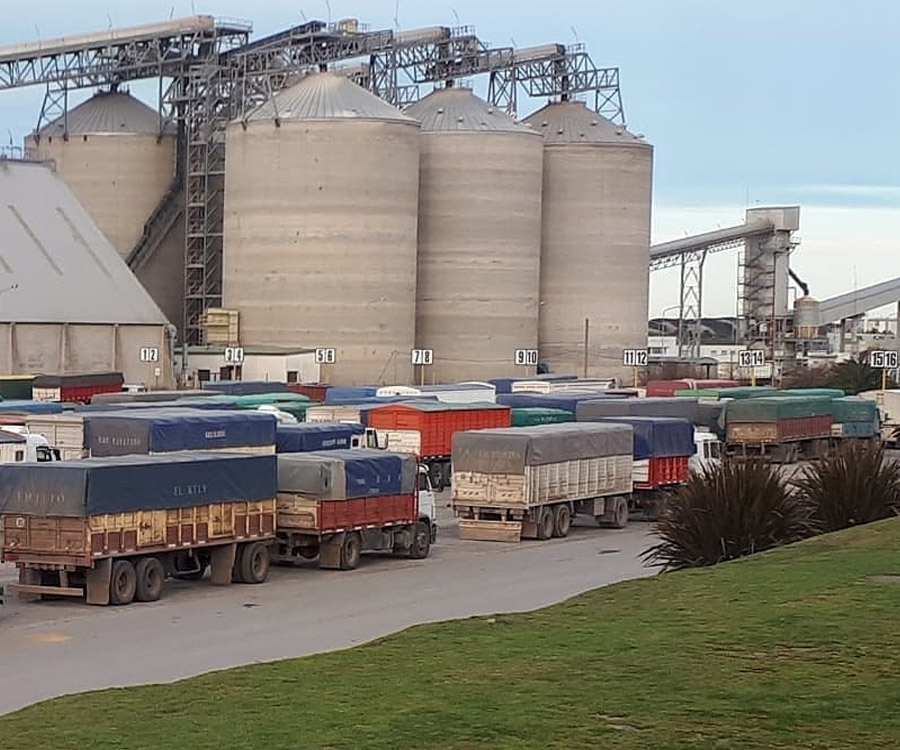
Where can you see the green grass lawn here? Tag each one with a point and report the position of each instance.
(794, 648)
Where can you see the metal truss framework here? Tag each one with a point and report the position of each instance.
(209, 72)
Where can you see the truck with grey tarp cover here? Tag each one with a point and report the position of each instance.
(113, 529)
(529, 482)
(336, 504)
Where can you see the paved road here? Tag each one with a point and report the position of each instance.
(54, 648)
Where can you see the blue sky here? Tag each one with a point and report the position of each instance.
(764, 102)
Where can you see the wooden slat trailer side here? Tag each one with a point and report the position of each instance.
(113, 529)
(335, 505)
(528, 482)
(781, 428)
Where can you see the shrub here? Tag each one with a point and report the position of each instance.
(852, 486)
(728, 511)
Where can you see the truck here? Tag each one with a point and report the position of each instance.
(783, 429)
(671, 387)
(310, 437)
(528, 482)
(335, 505)
(682, 408)
(75, 388)
(531, 416)
(426, 430)
(504, 385)
(662, 451)
(888, 404)
(855, 419)
(461, 393)
(569, 386)
(65, 432)
(172, 431)
(112, 530)
(22, 447)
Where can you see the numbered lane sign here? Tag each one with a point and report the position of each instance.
(325, 356)
(234, 355)
(634, 357)
(752, 358)
(423, 357)
(149, 354)
(526, 357)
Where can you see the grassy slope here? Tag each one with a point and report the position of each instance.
(796, 648)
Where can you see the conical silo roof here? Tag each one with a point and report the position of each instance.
(459, 110)
(106, 113)
(573, 122)
(326, 96)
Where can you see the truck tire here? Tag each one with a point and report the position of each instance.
(122, 583)
(562, 520)
(254, 562)
(619, 516)
(545, 523)
(150, 577)
(351, 550)
(421, 541)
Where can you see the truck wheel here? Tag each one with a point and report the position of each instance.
(150, 576)
(254, 563)
(545, 524)
(122, 583)
(421, 541)
(562, 520)
(619, 518)
(351, 551)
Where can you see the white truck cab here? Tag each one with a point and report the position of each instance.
(281, 416)
(427, 502)
(17, 445)
(708, 451)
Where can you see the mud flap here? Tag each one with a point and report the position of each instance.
(474, 530)
(330, 552)
(97, 579)
(221, 564)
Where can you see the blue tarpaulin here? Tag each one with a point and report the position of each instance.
(129, 483)
(30, 407)
(567, 402)
(160, 431)
(316, 436)
(659, 437)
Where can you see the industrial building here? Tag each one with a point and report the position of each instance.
(333, 187)
(68, 302)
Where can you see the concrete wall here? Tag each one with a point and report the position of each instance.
(35, 348)
(273, 367)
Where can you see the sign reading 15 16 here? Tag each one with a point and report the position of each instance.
(883, 360)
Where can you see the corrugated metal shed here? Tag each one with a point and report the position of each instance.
(326, 96)
(456, 110)
(67, 271)
(106, 113)
(573, 122)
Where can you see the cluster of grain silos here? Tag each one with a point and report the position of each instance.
(111, 153)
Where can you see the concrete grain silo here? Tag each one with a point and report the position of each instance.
(479, 237)
(109, 151)
(595, 240)
(321, 200)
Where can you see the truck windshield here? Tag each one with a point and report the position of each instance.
(44, 453)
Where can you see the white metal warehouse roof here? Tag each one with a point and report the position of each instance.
(66, 269)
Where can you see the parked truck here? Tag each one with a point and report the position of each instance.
(529, 482)
(784, 429)
(75, 388)
(112, 530)
(662, 451)
(426, 430)
(855, 419)
(22, 447)
(309, 437)
(888, 404)
(338, 504)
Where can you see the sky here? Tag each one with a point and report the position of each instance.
(770, 102)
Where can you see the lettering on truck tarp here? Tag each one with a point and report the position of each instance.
(119, 442)
(214, 434)
(49, 501)
(189, 489)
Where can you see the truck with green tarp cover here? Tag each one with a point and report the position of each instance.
(114, 529)
(855, 418)
(740, 392)
(530, 416)
(783, 428)
(529, 482)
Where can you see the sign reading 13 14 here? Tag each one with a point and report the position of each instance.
(752, 358)
(634, 357)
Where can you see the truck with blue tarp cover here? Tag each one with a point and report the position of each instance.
(30, 407)
(169, 431)
(245, 387)
(663, 448)
(318, 436)
(504, 385)
(334, 505)
(564, 401)
(114, 529)
(337, 395)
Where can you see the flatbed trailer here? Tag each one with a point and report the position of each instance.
(529, 482)
(113, 530)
